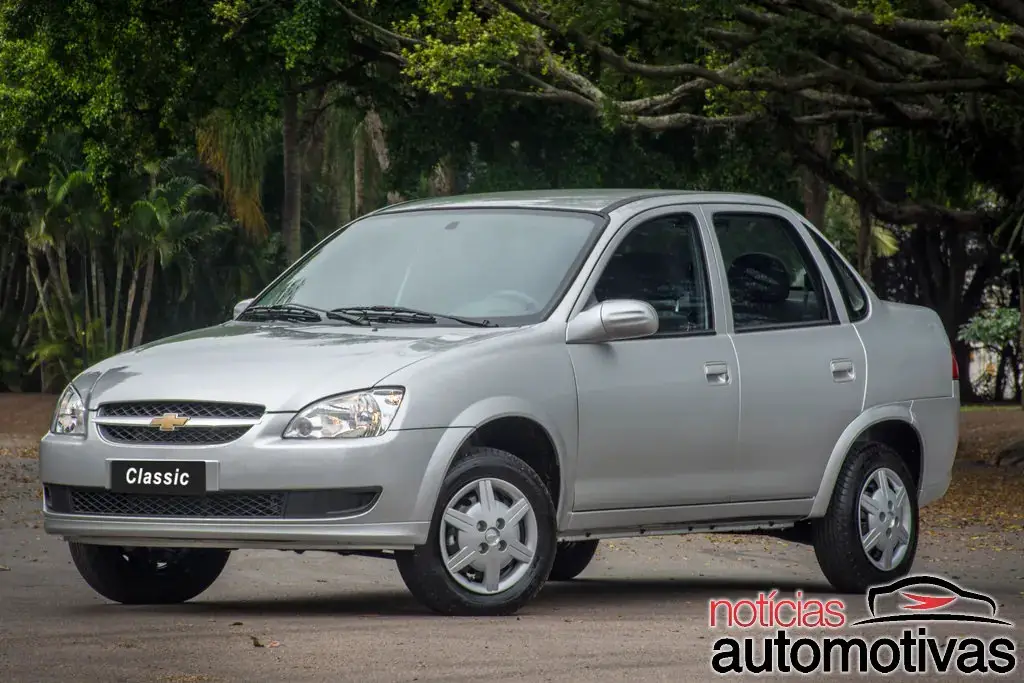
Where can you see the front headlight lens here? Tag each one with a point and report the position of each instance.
(359, 414)
(69, 417)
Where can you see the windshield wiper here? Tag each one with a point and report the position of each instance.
(299, 312)
(401, 314)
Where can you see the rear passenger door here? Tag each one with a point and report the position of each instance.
(801, 363)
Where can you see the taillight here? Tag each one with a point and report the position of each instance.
(956, 368)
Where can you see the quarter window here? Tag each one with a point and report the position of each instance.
(662, 262)
(771, 275)
(854, 297)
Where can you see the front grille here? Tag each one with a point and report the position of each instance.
(238, 505)
(303, 504)
(246, 411)
(129, 422)
(191, 436)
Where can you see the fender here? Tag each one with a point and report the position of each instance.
(463, 426)
(890, 411)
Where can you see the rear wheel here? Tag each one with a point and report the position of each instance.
(571, 559)
(869, 534)
(140, 576)
(491, 541)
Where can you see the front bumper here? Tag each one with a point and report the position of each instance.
(405, 466)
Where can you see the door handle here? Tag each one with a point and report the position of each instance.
(716, 372)
(842, 370)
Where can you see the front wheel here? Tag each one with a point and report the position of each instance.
(491, 541)
(148, 576)
(869, 534)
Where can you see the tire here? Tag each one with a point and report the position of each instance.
(571, 558)
(842, 556)
(133, 576)
(463, 592)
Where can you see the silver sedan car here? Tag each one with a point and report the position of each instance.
(482, 387)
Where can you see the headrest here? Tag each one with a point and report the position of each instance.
(759, 278)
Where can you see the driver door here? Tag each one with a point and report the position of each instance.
(658, 416)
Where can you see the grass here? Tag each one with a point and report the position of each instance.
(980, 407)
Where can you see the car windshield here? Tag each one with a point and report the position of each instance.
(505, 266)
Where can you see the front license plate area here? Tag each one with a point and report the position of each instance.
(161, 477)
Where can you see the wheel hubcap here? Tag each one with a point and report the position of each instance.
(885, 519)
(488, 536)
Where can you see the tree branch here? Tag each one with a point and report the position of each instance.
(903, 213)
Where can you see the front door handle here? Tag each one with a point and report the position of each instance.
(842, 370)
(716, 372)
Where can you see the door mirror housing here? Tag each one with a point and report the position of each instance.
(239, 307)
(612, 320)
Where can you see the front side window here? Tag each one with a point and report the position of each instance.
(507, 266)
(772, 278)
(662, 262)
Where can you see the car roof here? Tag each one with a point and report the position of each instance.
(600, 201)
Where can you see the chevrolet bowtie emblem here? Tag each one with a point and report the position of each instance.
(168, 422)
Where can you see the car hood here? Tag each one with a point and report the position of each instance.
(283, 366)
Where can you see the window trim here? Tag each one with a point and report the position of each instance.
(621, 234)
(837, 263)
(802, 246)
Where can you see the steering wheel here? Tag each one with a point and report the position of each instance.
(532, 304)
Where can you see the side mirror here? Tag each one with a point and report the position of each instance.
(239, 307)
(612, 320)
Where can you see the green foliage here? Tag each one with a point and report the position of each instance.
(993, 329)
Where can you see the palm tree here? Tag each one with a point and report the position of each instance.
(163, 225)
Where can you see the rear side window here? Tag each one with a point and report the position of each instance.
(772, 278)
(854, 297)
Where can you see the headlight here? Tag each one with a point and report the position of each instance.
(69, 417)
(361, 413)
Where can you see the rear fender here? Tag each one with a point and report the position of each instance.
(871, 416)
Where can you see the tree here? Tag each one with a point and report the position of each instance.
(953, 72)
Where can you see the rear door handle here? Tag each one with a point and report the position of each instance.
(842, 370)
(716, 372)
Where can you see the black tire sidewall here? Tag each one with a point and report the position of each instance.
(113, 578)
(837, 537)
(423, 569)
(571, 559)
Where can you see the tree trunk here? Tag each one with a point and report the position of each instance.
(47, 314)
(291, 204)
(379, 144)
(87, 303)
(100, 287)
(358, 171)
(147, 293)
(1020, 341)
(815, 190)
(1004, 360)
(115, 309)
(864, 233)
(130, 303)
(22, 329)
(442, 179)
(59, 290)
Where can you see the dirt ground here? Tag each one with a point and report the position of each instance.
(639, 612)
